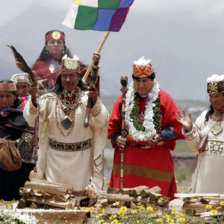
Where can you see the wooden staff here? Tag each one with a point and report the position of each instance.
(93, 82)
(93, 79)
(124, 132)
(98, 52)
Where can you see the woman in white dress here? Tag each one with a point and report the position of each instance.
(206, 136)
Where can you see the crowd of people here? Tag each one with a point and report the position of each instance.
(48, 129)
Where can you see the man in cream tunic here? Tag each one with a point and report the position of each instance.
(68, 152)
(207, 137)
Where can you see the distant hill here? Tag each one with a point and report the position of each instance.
(195, 107)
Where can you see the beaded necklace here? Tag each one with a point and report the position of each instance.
(217, 129)
(69, 103)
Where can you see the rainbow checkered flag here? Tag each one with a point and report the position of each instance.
(102, 15)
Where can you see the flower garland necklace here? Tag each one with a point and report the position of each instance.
(151, 124)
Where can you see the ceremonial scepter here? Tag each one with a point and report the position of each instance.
(124, 132)
(93, 79)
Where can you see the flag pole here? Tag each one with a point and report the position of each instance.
(98, 52)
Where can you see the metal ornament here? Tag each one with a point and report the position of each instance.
(66, 123)
(216, 129)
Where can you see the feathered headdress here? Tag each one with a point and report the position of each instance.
(22, 65)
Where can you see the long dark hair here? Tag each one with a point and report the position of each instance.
(210, 112)
(17, 101)
(45, 56)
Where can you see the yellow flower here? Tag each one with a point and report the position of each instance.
(103, 210)
(101, 221)
(213, 212)
(208, 206)
(116, 203)
(114, 221)
(165, 216)
(123, 209)
(141, 207)
(222, 203)
(126, 217)
(138, 221)
(106, 223)
(90, 209)
(182, 219)
(99, 216)
(134, 211)
(152, 215)
(9, 206)
(174, 212)
(113, 216)
(159, 220)
(197, 213)
(160, 201)
(150, 209)
(120, 213)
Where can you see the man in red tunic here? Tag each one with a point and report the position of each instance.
(150, 119)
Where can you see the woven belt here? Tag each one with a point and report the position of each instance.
(70, 147)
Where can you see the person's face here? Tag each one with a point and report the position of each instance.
(7, 99)
(55, 48)
(70, 81)
(217, 102)
(22, 89)
(143, 85)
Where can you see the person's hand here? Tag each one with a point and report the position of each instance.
(154, 140)
(93, 93)
(41, 86)
(121, 142)
(96, 58)
(185, 119)
(33, 93)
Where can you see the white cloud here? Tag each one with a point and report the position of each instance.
(204, 9)
(12, 8)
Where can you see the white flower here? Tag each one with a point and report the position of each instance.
(149, 114)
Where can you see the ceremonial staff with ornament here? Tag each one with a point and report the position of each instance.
(150, 120)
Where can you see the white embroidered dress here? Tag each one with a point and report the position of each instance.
(69, 167)
(209, 175)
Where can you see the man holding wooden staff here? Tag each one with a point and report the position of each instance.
(69, 153)
(150, 120)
